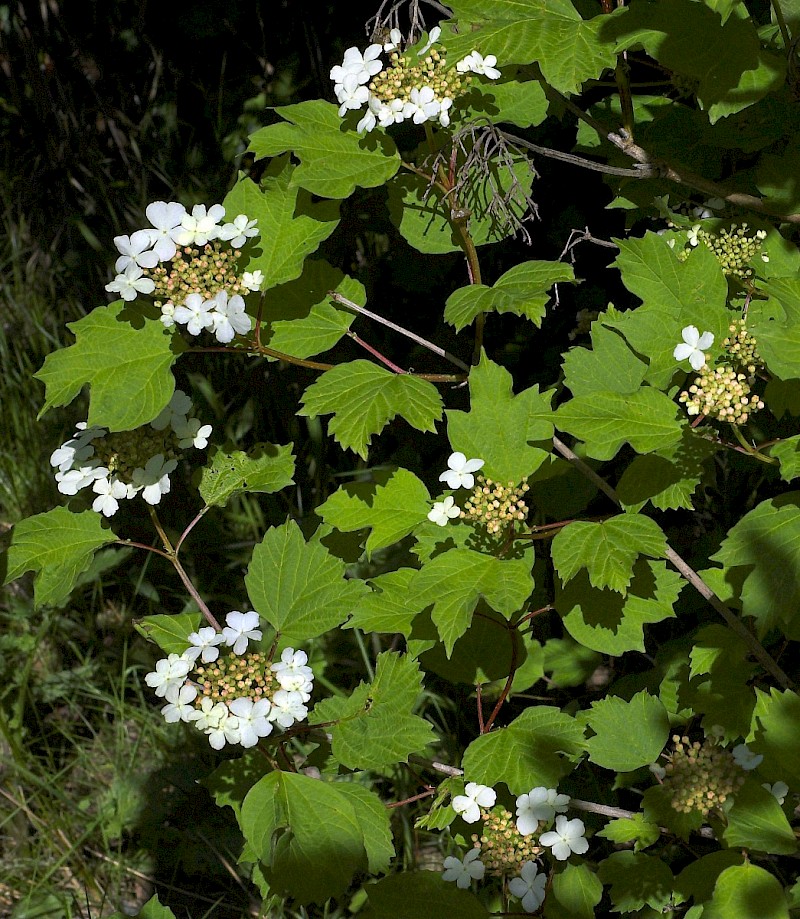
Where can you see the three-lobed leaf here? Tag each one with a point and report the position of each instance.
(642, 721)
(265, 468)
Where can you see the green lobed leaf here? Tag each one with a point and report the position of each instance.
(642, 721)
(604, 421)
(523, 104)
(636, 880)
(747, 892)
(699, 877)
(392, 508)
(607, 550)
(765, 544)
(500, 427)
(568, 663)
(611, 624)
(364, 398)
(374, 726)
(675, 294)
(575, 892)
(775, 721)
(307, 833)
(610, 365)
(668, 478)
(636, 829)
(537, 748)
(420, 895)
(389, 607)
(290, 227)
(170, 633)
(523, 290)
(568, 49)
(373, 821)
(154, 909)
(757, 821)
(454, 582)
(787, 452)
(775, 326)
(58, 546)
(299, 588)
(117, 352)
(333, 160)
(231, 781)
(425, 221)
(301, 319)
(264, 469)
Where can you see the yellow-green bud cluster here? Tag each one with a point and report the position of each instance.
(504, 850)
(742, 346)
(735, 249)
(124, 451)
(496, 506)
(407, 73)
(192, 271)
(700, 776)
(231, 677)
(721, 392)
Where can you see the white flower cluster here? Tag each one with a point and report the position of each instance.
(174, 231)
(539, 805)
(121, 466)
(458, 475)
(420, 91)
(243, 720)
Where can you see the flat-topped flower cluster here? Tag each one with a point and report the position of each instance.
(509, 846)
(420, 87)
(189, 263)
(119, 466)
(237, 698)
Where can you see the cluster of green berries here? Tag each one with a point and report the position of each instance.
(496, 506)
(700, 776)
(123, 451)
(191, 272)
(723, 393)
(742, 347)
(231, 677)
(405, 74)
(504, 850)
(734, 249)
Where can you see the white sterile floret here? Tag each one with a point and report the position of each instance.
(153, 480)
(181, 708)
(475, 797)
(195, 313)
(433, 37)
(168, 315)
(170, 673)
(422, 105)
(539, 804)
(444, 112)
(568, 837)
(691, 237)
(174, 412)
(77, 449)
(745, 758)
(136, 251)
(166, 219)
(362, 66)
(191, 433)
(293, 674)
(466, 871)
(216, 721)
(253, 719)
(287, 707)
(109, 493)
(476, 63)
(240, 629)
(238, 232)
(444, 511)
(203, 644)
(253, 280)
(130, 283)
(229, 317)
(201, 225)
(693, 346)
(395, 40)
(72, 481)
(459, 475)
(778, 791)
(529, 887)
(351, 94)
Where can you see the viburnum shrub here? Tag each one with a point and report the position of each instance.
(601, 569)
